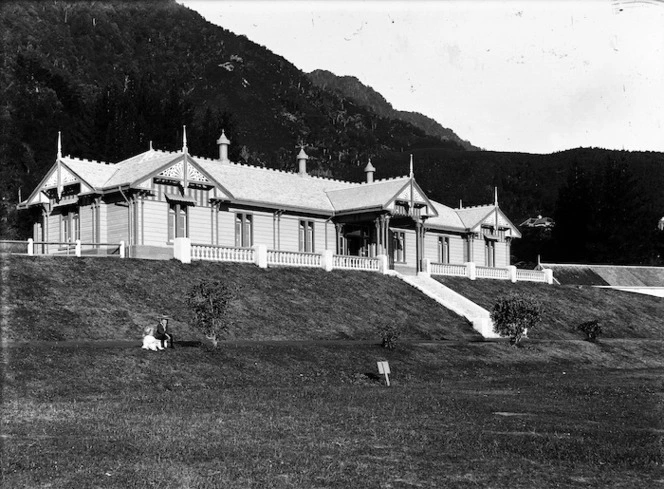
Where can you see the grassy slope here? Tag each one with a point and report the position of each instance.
(64, 299)
(622, 314)
(293, 416)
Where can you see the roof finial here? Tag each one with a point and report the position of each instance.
(151, 146)
(495, 196)
(411, 166)
(184, 139)
(59, 145)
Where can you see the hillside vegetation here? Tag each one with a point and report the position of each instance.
(56, 298)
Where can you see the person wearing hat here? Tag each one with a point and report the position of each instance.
(161, 332)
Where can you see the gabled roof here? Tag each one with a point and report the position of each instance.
(377, 194)
(447, 218)
(257, 185)
(474, 217)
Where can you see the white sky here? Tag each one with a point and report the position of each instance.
(538, 76)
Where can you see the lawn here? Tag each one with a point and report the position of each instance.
(305, 416)
(298, 403)
(621, 314)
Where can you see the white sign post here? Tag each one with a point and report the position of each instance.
(384, 368)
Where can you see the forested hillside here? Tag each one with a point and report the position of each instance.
(113, 76)
(353, 89)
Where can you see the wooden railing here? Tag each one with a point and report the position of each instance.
(63, 248)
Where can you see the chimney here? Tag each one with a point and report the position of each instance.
(369, 170)
(223, 143)
(302, 162)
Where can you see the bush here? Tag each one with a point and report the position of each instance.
(592, 329)
(514, 315)
(389, 334)
(210, 300)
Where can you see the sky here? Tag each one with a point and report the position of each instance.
(537, 76)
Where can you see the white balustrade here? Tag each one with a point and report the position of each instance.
(222, 253)
(293, 258)
(348, 262)
(494, 273)
(449, 269)
(530, 275)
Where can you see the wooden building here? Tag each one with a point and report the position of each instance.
(148, 200)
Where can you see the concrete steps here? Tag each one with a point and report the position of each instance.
(478, 316)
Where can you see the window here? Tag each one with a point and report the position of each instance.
(177, 221)
(399, 246)
(490, 253)
(307, 236)
(71, 226)
(244, 232)
(444, 249)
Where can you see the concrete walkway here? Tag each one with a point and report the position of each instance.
(478, 316)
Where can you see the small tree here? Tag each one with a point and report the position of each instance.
(210, 300)
(592, 329)
(389, 334)
(513, 315)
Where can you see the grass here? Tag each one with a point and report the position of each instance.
(621, 314)
(289, 414)
(57, 298)
(279, 415)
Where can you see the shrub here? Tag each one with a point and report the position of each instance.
(592, 329)
(389, 335)
(514, 315)
(210, 300)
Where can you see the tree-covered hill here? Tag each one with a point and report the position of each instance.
(353, 89)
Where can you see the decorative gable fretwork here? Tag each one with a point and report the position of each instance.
(195, 175)
(416, 195)
(66, 177)
(177, 171)
(490, 220)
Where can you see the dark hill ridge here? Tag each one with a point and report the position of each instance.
(353, 89)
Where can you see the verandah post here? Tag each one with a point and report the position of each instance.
(383, 264)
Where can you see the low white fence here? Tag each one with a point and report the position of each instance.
(63, 248)
(347, 262)
(531, 275)
(261, 256)
(472, 271)
(449, 270)
(494, 273)
(294, 259)
(222, 253)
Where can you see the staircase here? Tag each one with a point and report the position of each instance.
(478, 316)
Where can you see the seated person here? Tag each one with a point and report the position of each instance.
(162, 334)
